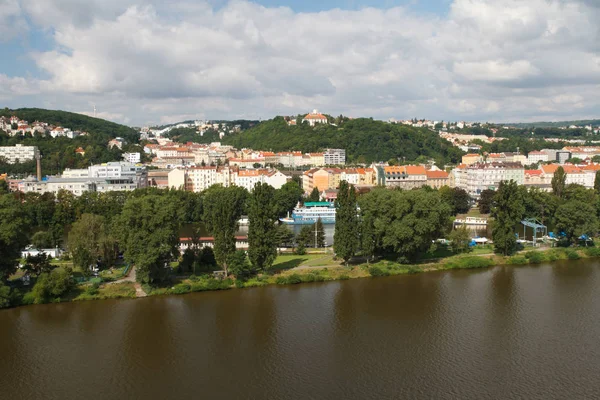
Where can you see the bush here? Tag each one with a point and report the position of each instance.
(414, 270)
(281, 280)
(294, 279)
(51, 286)
(573, 255)
(5, 298)
(592, 252)
(376, 271)
(344, 277)
(469, 263)
(517, 260)
(182, 288)
(535, 257)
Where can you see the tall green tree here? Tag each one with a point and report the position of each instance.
(239, 265)
(406, 222)
(13, 226)
(458, 199)
(90, 241)
(368, 238)
(346, 240)
(223, 207)
(262, 216)
(287, 197)
(320, 233)
(38, 264)
(148, 230)
(460, 239)
(507, 212)
(558, 182)
(315, 195)
(486, 198)
(597, 182)
(285, 237)
(576, 218)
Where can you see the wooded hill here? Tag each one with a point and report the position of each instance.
(364, 139)
(75, 122)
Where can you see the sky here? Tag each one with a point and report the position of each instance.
(143, 62)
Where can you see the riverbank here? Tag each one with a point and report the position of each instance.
(308, 270)
(297, 269)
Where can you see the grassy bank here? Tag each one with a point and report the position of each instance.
(296, 269)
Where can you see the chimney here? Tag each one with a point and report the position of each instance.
(38, 158)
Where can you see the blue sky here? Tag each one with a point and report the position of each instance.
(145, 61)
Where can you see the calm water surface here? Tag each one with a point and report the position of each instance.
(530, 332)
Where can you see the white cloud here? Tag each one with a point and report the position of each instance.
(490, 59)
(11, 20)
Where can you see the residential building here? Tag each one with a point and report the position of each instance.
(314, 118)
(535, 178)
(404, 176)
(573, 173)
(18, 153)
(471, 158)
(562, 156)
(484, 176)
(132, 157)
(321, 178)
(437, 179)
(334, 157)
(535, 157)
(117, 142)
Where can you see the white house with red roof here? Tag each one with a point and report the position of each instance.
(314, 118)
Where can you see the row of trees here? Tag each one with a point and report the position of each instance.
(570, 210)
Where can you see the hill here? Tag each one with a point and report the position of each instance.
(59, 153)
(74, 121)
(558, 124)
(364, 139)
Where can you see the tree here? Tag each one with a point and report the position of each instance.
(320, 233)
(306, 236)
(42, 240)
(507, 211)
(222, 210)
(597, 181)
(458, 199)
(52, 285)
(558, 182)
(406, 222)
(239, 266)
(287, 197)
(460, 239)
(284, 236)
(148, 230)
(367, 236)
(576, 218)
(90, 242)
(485, 201)
(4, 187)
(596, 159)
(12, 234)
(262, 215)
(315, 195)
(38, 264)
(4, 295)
(345, 240)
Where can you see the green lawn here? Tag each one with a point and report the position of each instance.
(289, 261)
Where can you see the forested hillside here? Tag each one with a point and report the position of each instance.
(75, 122)
(365, 140)
(59, 153)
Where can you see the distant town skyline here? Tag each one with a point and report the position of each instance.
(141, 62)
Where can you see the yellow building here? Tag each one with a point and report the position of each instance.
(471, 158)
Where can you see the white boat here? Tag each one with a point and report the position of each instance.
(310, 213)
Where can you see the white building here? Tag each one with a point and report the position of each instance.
(113, 176)
(18, 153)
(334, 157)
(482, 176)
(314, 118)
(535, 157)
(132, 157)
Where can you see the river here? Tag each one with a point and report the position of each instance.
(501, 333)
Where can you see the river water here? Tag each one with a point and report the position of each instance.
(502, 333)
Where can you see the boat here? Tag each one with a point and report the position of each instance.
(310, 213)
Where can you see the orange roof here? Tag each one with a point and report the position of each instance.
(591, 167)
(569, 169)
(471, 155)
(437, 175)
(533, 172)
(315, 116)
(249, 173)
(415, 170)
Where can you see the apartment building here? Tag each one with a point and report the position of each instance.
(404, 176)
(484, 176)
(334, 157)
(18, 153)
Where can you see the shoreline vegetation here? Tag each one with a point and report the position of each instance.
(291, 269)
